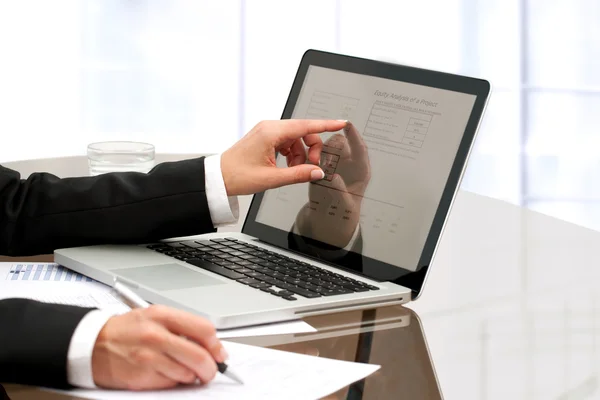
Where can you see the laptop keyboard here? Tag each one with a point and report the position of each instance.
(261, 269)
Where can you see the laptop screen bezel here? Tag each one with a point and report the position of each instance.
(463, 84)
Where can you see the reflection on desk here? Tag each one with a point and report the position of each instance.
(392, 337)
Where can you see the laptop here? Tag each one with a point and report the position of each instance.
(363, 237)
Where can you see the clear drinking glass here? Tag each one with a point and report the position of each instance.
(118, 156)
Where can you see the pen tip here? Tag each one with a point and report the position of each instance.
(234, 377)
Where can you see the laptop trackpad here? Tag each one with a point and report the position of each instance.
(167, 277)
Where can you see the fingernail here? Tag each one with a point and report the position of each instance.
(343, 120)
(317, 174)
(224, 354)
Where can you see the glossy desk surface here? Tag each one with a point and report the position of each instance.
(508, 311)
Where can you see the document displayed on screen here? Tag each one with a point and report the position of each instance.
(411, 134)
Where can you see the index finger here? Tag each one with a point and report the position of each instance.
(291, 129)
(193, 327)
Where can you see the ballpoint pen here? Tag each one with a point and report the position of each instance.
(133, 300)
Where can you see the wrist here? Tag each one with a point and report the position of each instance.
(100, 372)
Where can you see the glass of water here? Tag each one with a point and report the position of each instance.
(117, 156)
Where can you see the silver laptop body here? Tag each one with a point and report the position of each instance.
(418, 127)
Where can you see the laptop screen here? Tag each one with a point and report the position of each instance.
(385, 174)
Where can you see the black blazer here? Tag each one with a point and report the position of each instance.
(43, 213)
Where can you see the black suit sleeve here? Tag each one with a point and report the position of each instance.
(44, 213)
(34, 341)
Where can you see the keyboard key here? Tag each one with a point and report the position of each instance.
(285, 293)
(356, 288)
(340, 282)
(283, 270)
(255, 274)
(300, 276)
(175, 245)
(224, 263)
(227, 250)
(232, 266)
(248, 281)
(244, 270)
(309, 286)
(300, 291)
(191, 243)
(260, 285)
(216, 252)
(291, 298)
(272, 281)
(215, 268)
(219, 240)
(288, 264)
(197, 254)
(292, 281)
(275, 274)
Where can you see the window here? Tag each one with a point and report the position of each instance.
(193, 76)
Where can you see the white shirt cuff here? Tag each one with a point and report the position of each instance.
(81, 348)
(224, 210)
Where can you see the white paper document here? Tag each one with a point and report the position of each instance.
(38, 272)
(267, 374)
(52, 283)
